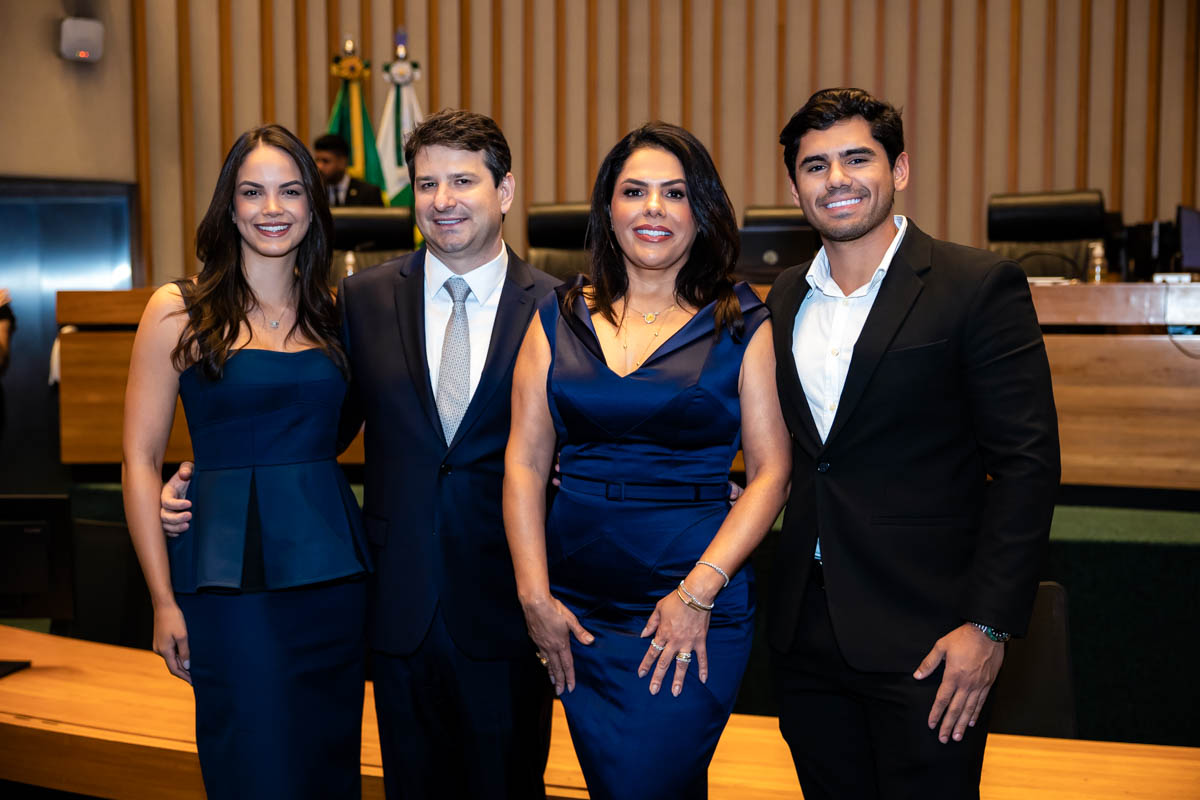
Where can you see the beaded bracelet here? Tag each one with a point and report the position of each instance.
(722, 572)
(693, 601)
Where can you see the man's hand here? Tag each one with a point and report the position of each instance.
(173, 510)
(972, 663)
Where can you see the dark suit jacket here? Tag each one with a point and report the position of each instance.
(948, 384)
(432, 512)
(361, 193)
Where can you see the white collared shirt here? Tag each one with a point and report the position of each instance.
(827, 327)
(486, 283)
(339, 190)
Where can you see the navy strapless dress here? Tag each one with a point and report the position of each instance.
(270, 580)
(645, 462)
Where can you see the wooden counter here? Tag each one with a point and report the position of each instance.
(1128, 401)
(111, 722)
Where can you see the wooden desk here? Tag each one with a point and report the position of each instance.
(111, 722)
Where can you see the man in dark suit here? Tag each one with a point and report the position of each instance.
(332, 155)
(911, 370)
(463, 704)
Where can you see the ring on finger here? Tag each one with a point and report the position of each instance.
(659, 647)
(542, 658)
(683, 657)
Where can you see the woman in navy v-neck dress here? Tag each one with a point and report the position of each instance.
(633, 583)
(261, 604)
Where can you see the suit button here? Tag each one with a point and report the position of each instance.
(444, 469)
(823, 466)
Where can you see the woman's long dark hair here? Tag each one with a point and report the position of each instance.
(220, 299)
(708, 274)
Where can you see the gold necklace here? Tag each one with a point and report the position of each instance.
(649, 342)
(648, 317)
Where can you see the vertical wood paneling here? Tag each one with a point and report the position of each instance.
(980, 137)
(782, 112)
(333, 45)
(465, 53)
(560, 100)
(1083, 106)
(1117, 163)
(718, 64)
(749, 116)
(814, 44)
(498, 62)
(527, 101)
(365, 49)
(912, 102)
(880, 44)
(1191, 76)
(300, 54)
(655, 56)
(266, 57)
(947, 59)
(1050, 104)
(399, 17)
(143, 270)
(225, 56)
(593, 91)
(187, 150)
(622, 67)
(685, 74)
(1014, 94)
(1154, 57)
(848, 52)
(432, 74)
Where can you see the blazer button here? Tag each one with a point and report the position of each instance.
(823, 466)
(444, 469)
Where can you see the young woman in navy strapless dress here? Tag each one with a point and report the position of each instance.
(644, 381)
(261, 604)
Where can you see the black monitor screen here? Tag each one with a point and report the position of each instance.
(1189, 237)
(766, 252)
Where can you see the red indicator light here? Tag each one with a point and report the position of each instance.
(83, 54)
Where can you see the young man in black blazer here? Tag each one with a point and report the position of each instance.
(332, 154)
(911, 371)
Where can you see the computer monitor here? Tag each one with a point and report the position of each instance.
(766, 252)
(1188, 220)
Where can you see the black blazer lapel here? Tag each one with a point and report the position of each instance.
(512, 320)
(897, 293)
(790, 389)
(410, 317)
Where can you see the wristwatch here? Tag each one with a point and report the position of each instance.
(992, 633)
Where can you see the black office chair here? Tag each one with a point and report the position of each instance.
(774, 217)
(1047, 233)
(557, 234)
(1035, 691)
(774, 238)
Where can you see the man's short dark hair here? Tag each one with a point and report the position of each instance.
(332, 143)
(461, 130)
(830, 106)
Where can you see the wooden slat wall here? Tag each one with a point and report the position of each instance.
(1120, 104)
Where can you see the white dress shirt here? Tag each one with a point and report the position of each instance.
(827, 327)
(486, 282)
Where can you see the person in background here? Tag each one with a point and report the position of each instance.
(648, 377)
(332, 155)
(261, 605)
(914, 380)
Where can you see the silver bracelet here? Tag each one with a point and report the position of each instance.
(723, 573)
(694, 601)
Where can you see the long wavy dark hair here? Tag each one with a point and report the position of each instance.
(708, 274)
(220, 299)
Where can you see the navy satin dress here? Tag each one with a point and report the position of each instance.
(270, 580)
(645, 462)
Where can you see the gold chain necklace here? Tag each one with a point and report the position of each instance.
(649, 342)
(648, 317)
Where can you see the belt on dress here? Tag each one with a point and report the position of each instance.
(685, 492)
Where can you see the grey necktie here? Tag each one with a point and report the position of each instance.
(454, 374)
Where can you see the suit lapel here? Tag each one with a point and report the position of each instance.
(410, 315)
(512, 319)
(790, 389)
(897, 293)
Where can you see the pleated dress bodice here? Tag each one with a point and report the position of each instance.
(264, 439)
